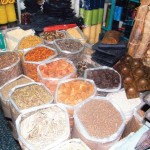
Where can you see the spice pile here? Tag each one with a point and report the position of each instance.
(99, 118)
(34, 57)
(45, 128)
(29, 41)
(30, 96)
(10, 66)
(104, 78)
(51, 36)
(75, 91)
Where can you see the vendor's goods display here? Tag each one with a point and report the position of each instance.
(146, 58)
(14, 35)
(26, 96)
(70, 48)
(43, 128)
(53, 35)
(105, 78)
(52, 72)
(10, 66)
(72, 92)
(135, 76)
(99, 123)
(73, 144)
(146, 97)
(34, 57)
(5, 89)
(126, 105)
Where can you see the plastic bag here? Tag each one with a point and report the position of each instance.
(108, 89)
(30, 67)
(5, 99)
(52, 82)
(48, 137)
(70, 48)
(71, 108)
(12, 71)
(79, 131)
(16, 111)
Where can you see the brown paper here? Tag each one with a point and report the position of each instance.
(145, 2)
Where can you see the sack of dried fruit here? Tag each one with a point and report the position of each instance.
(99, 123)
(4, 92)
(35, 56)
(70, 93)
(26, 96)
(52, 72)
(43, 128)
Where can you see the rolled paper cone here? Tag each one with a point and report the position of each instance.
(88, 17)
(3, 15)
(11, 13)
(100, 15)
(98, 31)
(86, 31)
(92, 34)
(94, 17)
(131, 48)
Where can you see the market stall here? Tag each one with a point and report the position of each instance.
(65, 84)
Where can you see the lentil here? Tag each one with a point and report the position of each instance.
(47, 125)
(100, 118)
(29, 41)
(74, 92)
(10, 66)
(50, 36)
(33, 58)
(30, 96)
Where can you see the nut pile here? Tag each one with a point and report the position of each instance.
(50, 36)
(31, 96)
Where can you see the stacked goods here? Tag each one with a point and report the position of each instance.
(135, 76)
(146, 58)
(5, 89)
(105, 78)
(34, 57)
(43, 128)
(26, 96)
(10, 66)
(52, 72)
(14, 35)
(140, 38)
(72, 92)
(70, 48)
(52, 35)
(127, 105)
(99, 123)
(73, 144)
(109, 49)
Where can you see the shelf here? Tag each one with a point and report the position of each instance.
(136, 1)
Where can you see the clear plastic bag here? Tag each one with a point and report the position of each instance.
(108, 89)
(14, 70)
(52, 82)
(70, 108)
(26, 144)
(79, 131)
(73, 54)
(30, 67)
(15, 110)
(5, 100)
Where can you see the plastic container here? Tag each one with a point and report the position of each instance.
(5, 100)
(114, 89)
(11, 71)
(43, 144)
(15, 110)
(70, 108)
(52, 82)
(79, 131)
(72, 144)
(75, 55)
(30, 67)
(76, 33)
